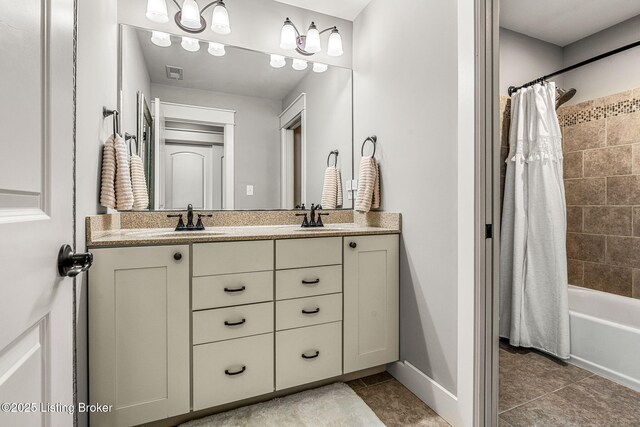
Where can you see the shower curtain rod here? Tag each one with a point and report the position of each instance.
(512, 89)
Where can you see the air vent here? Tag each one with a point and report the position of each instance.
(174, 73)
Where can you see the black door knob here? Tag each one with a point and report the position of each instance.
(353, 245)
(177, 256)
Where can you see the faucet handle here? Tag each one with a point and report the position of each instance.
(180, 225)
(199, 224)
(305, 221)
(319, 221)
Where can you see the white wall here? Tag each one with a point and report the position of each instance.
(255, 24)
(329, 126)
(96, 86)
(523, 58)
(257, 140)
(615, 74)
(135, 77)
(419, 102)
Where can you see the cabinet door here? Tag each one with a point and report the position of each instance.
(371, 301)
(139, 334)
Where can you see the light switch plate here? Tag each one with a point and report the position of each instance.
(349, 185)
(349, 195)
(249, 190)
(354, 184)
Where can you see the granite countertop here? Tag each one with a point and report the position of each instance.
(168, 236)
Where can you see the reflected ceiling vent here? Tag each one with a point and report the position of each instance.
(174, 73)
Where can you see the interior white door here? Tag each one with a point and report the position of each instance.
(36, 210)
(160, 153)
(189, 176)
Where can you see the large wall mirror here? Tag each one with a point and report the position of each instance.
(222, 127)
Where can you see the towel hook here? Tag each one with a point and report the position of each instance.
(374, 140)
(128, 136)
(116, 122)
(335, 153)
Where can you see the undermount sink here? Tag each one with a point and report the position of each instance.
(172, 233)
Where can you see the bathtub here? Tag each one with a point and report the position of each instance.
(605, 335)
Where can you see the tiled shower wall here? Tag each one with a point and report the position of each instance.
(601, 147)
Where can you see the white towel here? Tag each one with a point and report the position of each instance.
(108, 175)
(124, 192)
(332, 188)
(138, 183)
(368, 185)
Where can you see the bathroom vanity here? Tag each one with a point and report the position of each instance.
(187, 322)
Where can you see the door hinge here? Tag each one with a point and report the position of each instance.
(488, 231)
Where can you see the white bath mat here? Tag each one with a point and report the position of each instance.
(332, 405)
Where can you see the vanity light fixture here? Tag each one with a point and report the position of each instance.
(216, 49)
(319, 68)
(299, 64)
(309, 44)
(189, 16)
(277, 61)
(190, 44)
(160, 39)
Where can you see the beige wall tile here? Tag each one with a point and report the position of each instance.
(623, 129)
(575, 269)
(623, 251)
(636, 221)
(574, 219)
(636, 284)
(612, 220)
(585, 191)
(623, 190)
(615, 280)
(573, 164)
(608, 161)
(586, 247)
(584, 136)
(636, 158)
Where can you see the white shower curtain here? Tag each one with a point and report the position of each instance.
(534, 309)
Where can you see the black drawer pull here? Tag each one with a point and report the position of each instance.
(304, 356)
(240, 289)
(234, 323)
(226, 371)
(317, 310)
(310, 282)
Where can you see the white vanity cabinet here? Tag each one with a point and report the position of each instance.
(371, 301)
(139, 334)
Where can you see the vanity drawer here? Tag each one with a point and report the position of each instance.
(232, 322)
(232, 289)
(232, 257)
(322, 349)
(306, 282)
(250, 359)
(296, 253)
(322, 309)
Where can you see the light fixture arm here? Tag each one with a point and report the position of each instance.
(203, 23)
(301, 38)
(203, 9)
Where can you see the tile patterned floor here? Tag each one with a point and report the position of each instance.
(393, 403)
(537, 390)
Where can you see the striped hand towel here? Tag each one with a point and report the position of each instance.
(332, 188)
(124, 192)
(108, 175)
(368, 185)
(138, 183)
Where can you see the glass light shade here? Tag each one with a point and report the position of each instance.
(288, 36)
(277, 61)
(299, 64)
(320, 68)
(220, 20)
(157, 11)
(313, 40)
(190, 44)
(190, 14)
(216, 49)
(160, 39)
(335, 44)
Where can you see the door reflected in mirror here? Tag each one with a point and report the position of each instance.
(232, 128)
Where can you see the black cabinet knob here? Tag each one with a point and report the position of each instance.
(177, 256)
(353, 245)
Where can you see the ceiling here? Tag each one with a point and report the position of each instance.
(240, 71)
(563, 22)
(345, 9)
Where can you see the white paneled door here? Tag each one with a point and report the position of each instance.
(36, 211)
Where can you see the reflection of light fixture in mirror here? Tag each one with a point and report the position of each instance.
(160, 39)
(290, 39)
(157, 11)
(277, 61)
(319, 68)
(190, 44)
(299, 64)
(189, 16)
(216, 49)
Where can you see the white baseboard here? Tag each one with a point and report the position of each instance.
(614, 376)
(429, 391)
